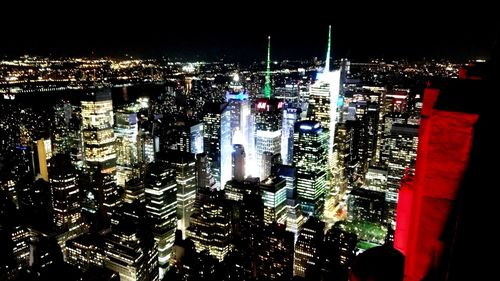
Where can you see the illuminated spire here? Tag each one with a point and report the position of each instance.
(267, 86)
(327, 61)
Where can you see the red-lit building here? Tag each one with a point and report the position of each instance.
(432, 207)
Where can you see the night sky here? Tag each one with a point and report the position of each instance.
(239, 33)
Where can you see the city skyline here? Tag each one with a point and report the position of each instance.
(333, 168)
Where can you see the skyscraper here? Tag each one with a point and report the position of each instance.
(402, 145)
(61, 135)
(204, 177)
(294, 219)
(161, 207)
(184, 165)
(126, 132)
(307, 246)
(323, 100)
(275, 254)
(310, 158)
(213, 142)
(210, 227)
(65, 194)
(268, 131)
(98, 134)
(238, 162)
(273, 192)
(242, 123)
(290, 116)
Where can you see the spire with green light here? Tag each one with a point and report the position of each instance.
(267, 86)
(327, 61)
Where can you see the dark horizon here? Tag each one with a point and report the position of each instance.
(196, 35)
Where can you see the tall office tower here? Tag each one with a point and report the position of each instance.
(238, 162)
(161, 207)
(242, 126)
(98, 135)
(85, 251)
(290, 116)
(61, 135)
(402, 155)
(204, 177)
(273, 192)
(366, 205)
(341, 172)
(125, 255)
(275, 254)
(210, 227)
(225, 147)
(20, 236)
(213, 138)
(323, 101)
(129, 220)
(65, 194)
(184, 165)
(307, 246)
(126, 133)
(146, 147)
(134, 191)
(268, 131)
(235, 190)
(294, 219)
(310, 159)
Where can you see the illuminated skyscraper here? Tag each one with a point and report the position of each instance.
(402, 155)
(310, 159)
(125, 255)
(204, 175)
(213, 140)
(242, 125)
(307, 246)
(161, 207)
(126, 132)
(290, 116)
(65, 194)
(184, 165)
(238, 162)
(225, 147)
(275, 254)
(323, 100)
(268, 131)
(294, 219)
(273, 192)
(210, 227)
(61, 135)
(98, 135)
